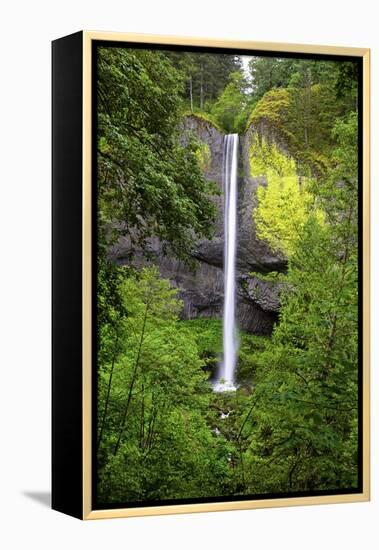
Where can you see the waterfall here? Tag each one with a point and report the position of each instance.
(225, 379)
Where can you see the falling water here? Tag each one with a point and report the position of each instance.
(225, 380)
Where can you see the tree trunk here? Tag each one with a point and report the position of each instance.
(122, 423)
(191, 94)
(306, 135)
(107, 396)
(202, 87)
(142, 427)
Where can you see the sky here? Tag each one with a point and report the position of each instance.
(245, 64)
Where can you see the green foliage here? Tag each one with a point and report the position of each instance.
(269, 73)
(347, 83)
(230, 108)
(250, 349)
(267, 160)
(311, 115)
(273, 108)
(300, 100)
(302, 432)
(306, 413)
(277, 113)
(208, 337)
(143, 171)
(153, 441)
(203, 155)
(284, 204)
(292, 425)
(205, 76)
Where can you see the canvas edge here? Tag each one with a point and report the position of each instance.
(66, 261)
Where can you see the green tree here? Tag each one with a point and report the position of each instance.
(205, 75)
(154, 442)
(268, 73)
(301, 433)
(285, 202)
(148, 183)
(230, 108)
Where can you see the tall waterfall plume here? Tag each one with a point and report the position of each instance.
(226, 376)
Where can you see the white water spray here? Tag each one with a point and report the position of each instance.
(225, 380)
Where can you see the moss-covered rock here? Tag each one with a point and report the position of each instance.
(273, 118)
(203, 116)
(273, 107)
(284, 201)
(203, 155)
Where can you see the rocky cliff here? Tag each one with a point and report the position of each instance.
(201, 288)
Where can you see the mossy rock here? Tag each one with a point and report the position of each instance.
(205, 117)
(270, 118)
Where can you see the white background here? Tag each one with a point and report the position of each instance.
(26, 31)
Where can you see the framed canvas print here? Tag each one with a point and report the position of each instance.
(210, 275)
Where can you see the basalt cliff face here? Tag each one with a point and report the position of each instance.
(201, 288)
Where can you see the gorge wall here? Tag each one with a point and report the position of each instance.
(201, 288)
